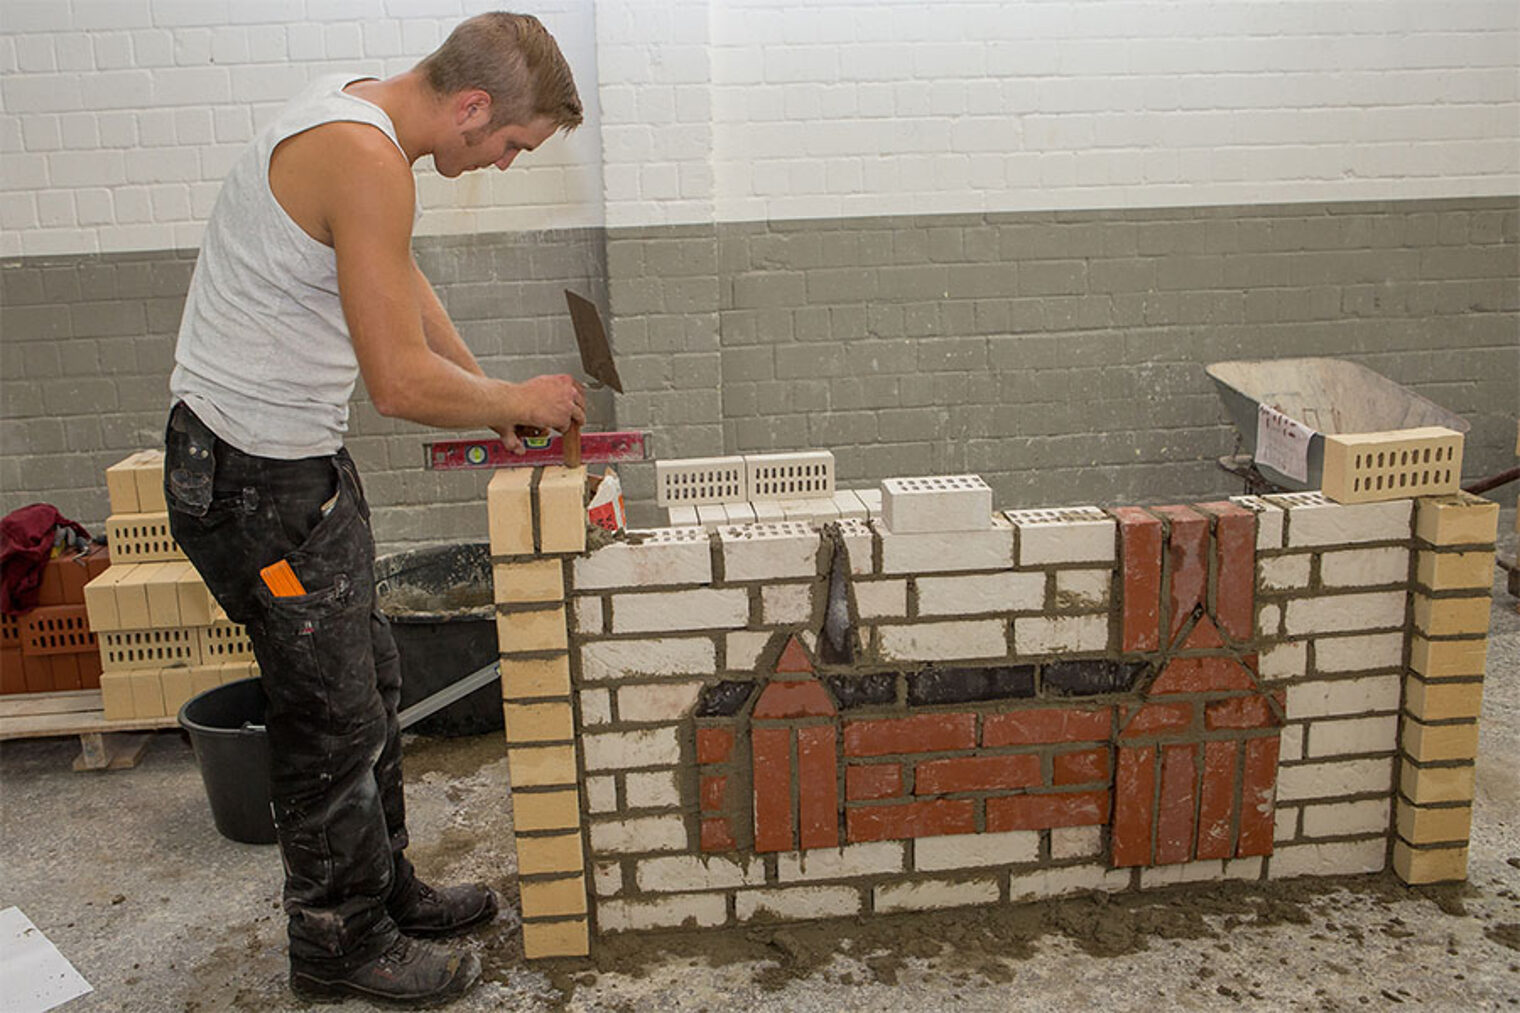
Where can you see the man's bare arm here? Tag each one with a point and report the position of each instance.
(439, 331)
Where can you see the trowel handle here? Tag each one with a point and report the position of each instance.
(572, 443)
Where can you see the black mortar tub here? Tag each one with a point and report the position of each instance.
(226, 728)
(443, 616)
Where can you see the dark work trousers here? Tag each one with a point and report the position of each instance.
(329, 669)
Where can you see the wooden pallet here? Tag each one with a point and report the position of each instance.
(102, 744)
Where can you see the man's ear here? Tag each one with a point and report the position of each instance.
(472, 108)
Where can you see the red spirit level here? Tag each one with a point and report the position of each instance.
(596, 448)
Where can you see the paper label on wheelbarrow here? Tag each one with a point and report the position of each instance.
(1282, 443)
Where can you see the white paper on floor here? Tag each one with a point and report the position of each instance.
(37, 977)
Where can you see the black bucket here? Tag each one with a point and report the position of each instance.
(226, 727)
(443, 617)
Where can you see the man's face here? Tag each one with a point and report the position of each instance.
(483, 147)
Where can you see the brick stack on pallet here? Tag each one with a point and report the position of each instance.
(162, 637)
(52, 647)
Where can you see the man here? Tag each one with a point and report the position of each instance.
(306, 279)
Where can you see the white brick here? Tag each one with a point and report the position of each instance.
(1364, 567)
(1360, 653)
(1286, 660)
(1342, 819)
(1268, 620)
(859, 544)
(786, 603)
(1334, 778)
(973, 638)
(798, 903)
(647, 747)
(1314, 520)
(608, 878)
(683, 516)
(701, 609)
(619, 659)
(881, 599)
(1285, 823)
(1075, 842)
(601, 794)
(1269, 520)
(666, 556)
(1057, 882)
(698, 480)
(789, 476)
(1059, 634)
(981, 593)
(1200, 872)
(936, 503)
(1345, 612)
(588, 615)
(788, 549)
(850, 506)
(848, 862)
(1068, 535)
(1283, 573)
(659, 701)
(743, 650)
(1326, 698)
(1290, 744)
(1342, 858)
(1354, 735)
(642, 833)
(652, 789)
(701, 910)
(927, 894)
(949, 551)
(963, 851)
(596, 707)
(1083, 588)
(686, 873)
(712, 516)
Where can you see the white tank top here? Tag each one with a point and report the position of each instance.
(264, 356)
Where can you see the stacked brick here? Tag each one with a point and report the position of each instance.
(944, 706)
(52, 647)
(162, 637)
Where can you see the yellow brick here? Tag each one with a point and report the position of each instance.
(556, 939)
(1442, 701)
(178, 686)
(539, 722)
(562, 509)
(149, 474)
(560, 853)
(1460, 519)
(163, 596)
(554, 897)
(1451, 617)
(509, 505)
(1451, 571)
(1423, 825)
(204, 677)
(1435, 743)
(1397, 464)
(196, 606)
(524, 632)
(116, 695)
(121, 485)
(1429, 865)
(542, 766)
(530, 678)
(132, 597)
(539, 580)
(147, 694)
(1442, 659)
(546, 810)
(100, 599)
(1427, 785)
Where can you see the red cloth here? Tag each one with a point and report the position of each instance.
(26, 544)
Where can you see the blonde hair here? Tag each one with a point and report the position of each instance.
(512, 58)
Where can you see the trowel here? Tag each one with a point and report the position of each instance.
(596, 360)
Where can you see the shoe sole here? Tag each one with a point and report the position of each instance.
(319, 990)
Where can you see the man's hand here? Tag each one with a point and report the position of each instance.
(544, 402)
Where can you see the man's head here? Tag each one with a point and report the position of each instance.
(514, 60)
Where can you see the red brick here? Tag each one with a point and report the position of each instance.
(50, 589)
(66, 670)
(1134, 806)
(1203, 637)
(781, 700)
(1081, 767)
(37, 670)
(817, 787)
(1257, 797)
(1179, 796)
(1235, 555)
(713, 790)
(75, 574)
(1202, 675)
(717, 835)
(1041, 812)
(12, 675)
(1158, 718)
(876, 780)
(714, 745)
(56, 629)
(924, 733)
(915, 819)
(793, 658)
(10, 632)
(1216, 803)
(773, 788)
(1140, 543)
(1241, 712)
(89, 670)
(1048, 724)
(976, 773)
(1188, 557)
(97, 560)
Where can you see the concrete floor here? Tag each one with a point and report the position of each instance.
(126, 875)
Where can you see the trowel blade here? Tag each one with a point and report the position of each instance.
(596, 354)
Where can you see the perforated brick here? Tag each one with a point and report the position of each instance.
(698, 480)
(1367, 467)
(769, 551)
(141, 538)
(936, 503)
(662, 556)
(224, 641)
(1075, 535)
(807, 474)
(126, 650)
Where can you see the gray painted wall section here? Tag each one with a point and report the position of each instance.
(1060, 355)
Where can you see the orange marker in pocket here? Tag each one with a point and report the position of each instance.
(282, 580)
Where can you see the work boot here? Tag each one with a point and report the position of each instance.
(413, 974)
(446, 912)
